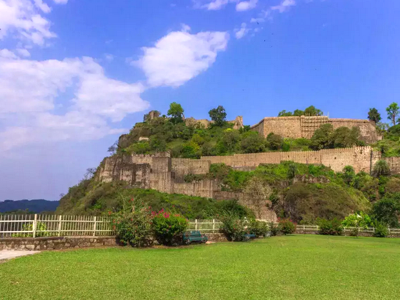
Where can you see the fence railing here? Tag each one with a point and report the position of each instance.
(53, 225)
(59, 225)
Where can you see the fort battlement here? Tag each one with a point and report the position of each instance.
(305, 126)
(166, 174)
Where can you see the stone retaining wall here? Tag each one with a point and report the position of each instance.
(60, 243)
(55, 243)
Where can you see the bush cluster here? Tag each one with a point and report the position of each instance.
(330, 227)
(138, 226)
(168, 228)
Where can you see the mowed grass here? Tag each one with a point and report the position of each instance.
(291, 267)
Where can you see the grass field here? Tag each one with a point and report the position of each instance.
(292, 267)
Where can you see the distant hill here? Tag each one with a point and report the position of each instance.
(35, 205)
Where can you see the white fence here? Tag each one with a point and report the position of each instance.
(53, 225)
(57, 225)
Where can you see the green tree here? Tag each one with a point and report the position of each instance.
(252, 142)
(274, 141)
(393, 111)
(285, 113)
(218, 115)
(312, 111)
(344, 137)
(321, 137)
(229, 141)
(175, 112)
(298, 113)
(374, 115)
(348, 174)
(381, 168)
(387, 211)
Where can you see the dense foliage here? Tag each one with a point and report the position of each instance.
(133, 224)
(169, 227)
(286, 226)
(309, 111)
(330, 227)
(233, 227)
(93, 198)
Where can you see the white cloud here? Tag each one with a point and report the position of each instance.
(246, 5)
(42, 6)
(109, 57)
(284, 6)
(257, 20)
(32, 90)
(180, 56)
(239, 33)
(215, 5)
(7, 54)
(22, 18)
(23, 52)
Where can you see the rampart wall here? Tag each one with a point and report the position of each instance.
(305, 126)
(358, 157)
(166, 174)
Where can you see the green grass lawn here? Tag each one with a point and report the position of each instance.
(292, 267)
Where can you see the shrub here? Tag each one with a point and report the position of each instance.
(258, 228)
(168, 228)
(133, 224)
(380, 230)
(361, 220)
(233, 227)
(330, 227)
(381, 168)
(287, 226)
(274, 229)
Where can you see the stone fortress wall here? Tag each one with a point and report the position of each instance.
(361, 158)
(305, 126)
(165, 174)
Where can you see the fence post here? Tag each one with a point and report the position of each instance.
(213, 225)
(94, 226)
(195, 224)
(59, 225)
(34, 226)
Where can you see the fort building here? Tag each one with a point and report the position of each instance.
(165, 174)
(305, 126)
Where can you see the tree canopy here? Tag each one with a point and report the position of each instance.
(393, 111)
(175, 112)
(374, 115)
(309, 111)
(218, 115)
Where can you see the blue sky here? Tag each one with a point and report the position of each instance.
(75, 74)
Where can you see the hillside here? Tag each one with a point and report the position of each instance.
(35, 205)
(303, 192)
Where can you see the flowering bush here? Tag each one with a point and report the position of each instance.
(168, 228)
(274, 229)
(133, 224)
(258, 228)
(233, 227)
(286, 226)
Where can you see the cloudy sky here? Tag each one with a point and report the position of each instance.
(75, 74)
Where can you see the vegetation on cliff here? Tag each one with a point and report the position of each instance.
(94, 198)
(160, 133)
(301, 192)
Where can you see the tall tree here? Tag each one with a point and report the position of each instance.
(393, 112)
(374, 115)
(175, 112)
(218, 115)
(312, 111)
